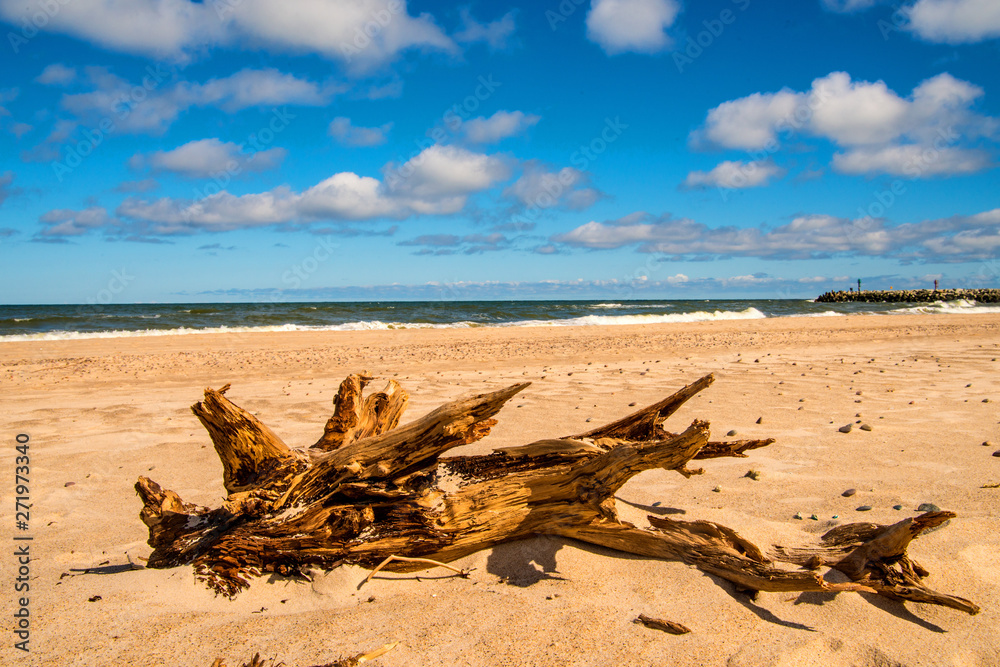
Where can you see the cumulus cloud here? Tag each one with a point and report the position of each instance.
(872, 121)
(66, 222)
(206, 157)
(954, 21)
(805, 237)
(361, 34)
(57, 74)
(446, 171)
(163, 98)
(439, 180)
(621, 26)
(912, 161)
(497, 127)
(735, 174)
(538, 188)
(343, 131)
(495, 34)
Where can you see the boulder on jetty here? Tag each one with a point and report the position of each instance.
(911, 296)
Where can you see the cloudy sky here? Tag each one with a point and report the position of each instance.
(167, 150)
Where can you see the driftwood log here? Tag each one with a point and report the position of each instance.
(369, 489)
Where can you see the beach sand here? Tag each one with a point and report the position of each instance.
(102, 412)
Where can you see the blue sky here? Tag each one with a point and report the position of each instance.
(164, 150)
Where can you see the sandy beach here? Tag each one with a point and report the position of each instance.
(102, 412)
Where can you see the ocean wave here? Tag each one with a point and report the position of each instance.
(959, 306)
(373, 325)
(610, 320)
(186, 331)
(825, 313)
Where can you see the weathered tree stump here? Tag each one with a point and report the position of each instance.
(369, 489)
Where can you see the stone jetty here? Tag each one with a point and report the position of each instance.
(911, 296)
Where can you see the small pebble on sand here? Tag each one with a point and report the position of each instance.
(897, 507)
(849, 492)
(865, 427)
(864, 508)
(928, 507)
(731, 433)
(846, 428)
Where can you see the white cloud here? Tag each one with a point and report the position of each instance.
(955, 21)
(749, 122)
(437, 181)
(206, 157)
(735, 174)
(540, 188)
(352, 135)
(446, 171)
(958, 238)
(217, 213)
(847, 6)
(57, 74)
(66, 222)
(258, 87)
(857, 112)
(848, 113)
(362, 34)
(868, 118)
(912, 161)
(152, 108)
(497, 127)
(495, 34)
(620, 26)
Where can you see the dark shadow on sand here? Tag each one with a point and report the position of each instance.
(652, 509)
(526, 562)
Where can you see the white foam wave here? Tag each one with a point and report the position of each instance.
(825, 313)
(607, 320)
(185, 331)
(589, 320)
(959, 306)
